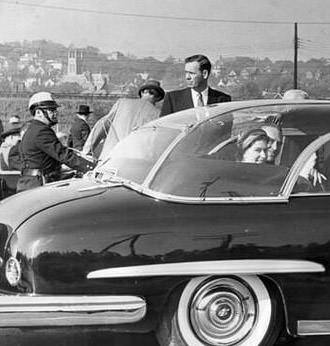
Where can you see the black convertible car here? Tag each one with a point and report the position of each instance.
(202, 228)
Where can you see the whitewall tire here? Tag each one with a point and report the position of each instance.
(222, 311)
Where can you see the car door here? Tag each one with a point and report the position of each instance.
(308, 232)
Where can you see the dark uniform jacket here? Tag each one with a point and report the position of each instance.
(41, 149)
(78, 133)
(179, 100)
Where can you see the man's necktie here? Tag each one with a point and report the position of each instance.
(200, 101)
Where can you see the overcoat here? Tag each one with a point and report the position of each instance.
(79, 133)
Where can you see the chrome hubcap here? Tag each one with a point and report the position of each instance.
(223, 312)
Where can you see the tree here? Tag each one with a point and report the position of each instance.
(174, 76)
(249, 90)
(320, 89)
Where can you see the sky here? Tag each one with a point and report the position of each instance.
(160, 28)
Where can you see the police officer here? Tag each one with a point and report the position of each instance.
(41, 150)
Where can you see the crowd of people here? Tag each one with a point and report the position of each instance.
(38, 152)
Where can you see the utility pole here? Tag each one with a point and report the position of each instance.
(295, 62)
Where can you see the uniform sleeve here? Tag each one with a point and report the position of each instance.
(48, 142)
(167, 107)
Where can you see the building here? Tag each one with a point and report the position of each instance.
(75, 60)
(55, 65)
(90, 82)
(115, 55)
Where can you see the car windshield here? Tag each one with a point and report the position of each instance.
(243, 153)
(133, 157)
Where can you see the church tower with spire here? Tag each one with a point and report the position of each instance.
(75, 58)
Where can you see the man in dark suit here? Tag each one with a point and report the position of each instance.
(197, 93)
(80, 128)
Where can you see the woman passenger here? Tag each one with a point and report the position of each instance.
(252, 146)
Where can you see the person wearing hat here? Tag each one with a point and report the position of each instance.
(9, 138)
(14, 155)
(80, 128)
(42, 152)
(151, 91)
(125, 115)
(15, 120)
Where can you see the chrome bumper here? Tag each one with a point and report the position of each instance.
(40, 310)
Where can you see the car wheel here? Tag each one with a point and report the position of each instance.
(226, 311)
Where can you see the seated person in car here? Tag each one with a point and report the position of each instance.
(252, 146)
(310, 179)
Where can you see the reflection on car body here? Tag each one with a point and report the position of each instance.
(170, 234)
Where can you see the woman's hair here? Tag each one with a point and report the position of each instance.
(247, 138)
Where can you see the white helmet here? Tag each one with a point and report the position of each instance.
(42, 100)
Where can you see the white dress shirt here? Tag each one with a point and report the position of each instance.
(195, 96)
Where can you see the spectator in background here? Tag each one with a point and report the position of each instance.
(14, 156)
(80, 128)
(15, 120)
(124, 116)
(197, 93)
(151, 91)
(9, 138)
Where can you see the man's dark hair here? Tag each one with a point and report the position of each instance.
(204, 62)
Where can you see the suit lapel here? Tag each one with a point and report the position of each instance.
(210, 98)
(187, 99)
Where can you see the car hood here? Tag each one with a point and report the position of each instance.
(16, 209)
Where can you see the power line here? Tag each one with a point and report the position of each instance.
(312, 44)
(126, 14)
